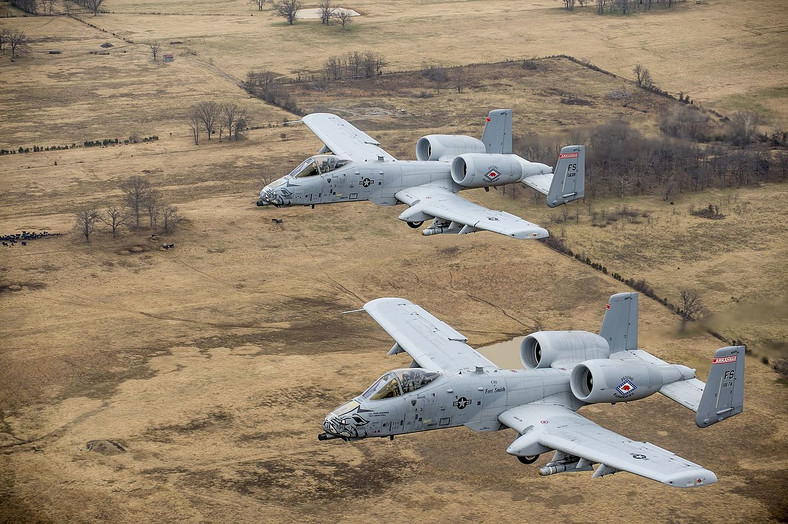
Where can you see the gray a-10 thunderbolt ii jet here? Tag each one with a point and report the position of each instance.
(449, 384)
(352, 166)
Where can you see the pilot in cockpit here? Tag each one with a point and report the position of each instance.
(328, 164)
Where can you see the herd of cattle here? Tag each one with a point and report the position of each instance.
(24, 237)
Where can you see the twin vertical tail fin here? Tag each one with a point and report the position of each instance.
(497, 135)
(569, 176)
(723, 395)
(620, 325)
(566, 182)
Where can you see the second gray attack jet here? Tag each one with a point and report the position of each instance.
(352, 166)
(449, 384)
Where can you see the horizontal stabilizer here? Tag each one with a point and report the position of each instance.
(685, 392)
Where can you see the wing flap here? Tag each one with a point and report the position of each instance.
(344, 139)
(559, 428)
(432, 343)
(441, 203)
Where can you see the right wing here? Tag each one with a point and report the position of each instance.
(582, 443)
(433, 344)
(463, 216)
(344, 139)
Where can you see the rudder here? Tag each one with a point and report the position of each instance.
(497, 136)
(620, 325)
(568, 177)
(723, 396)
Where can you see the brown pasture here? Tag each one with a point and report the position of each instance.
(144, 384)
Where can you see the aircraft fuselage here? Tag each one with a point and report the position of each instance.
(377, 182)
(470, 398)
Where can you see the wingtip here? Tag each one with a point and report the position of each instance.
(695, 479)
(531, 234)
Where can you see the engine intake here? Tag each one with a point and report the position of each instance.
(617, 380)
(446, 147)
(545, 348)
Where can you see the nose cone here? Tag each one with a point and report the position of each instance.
(269, 195)
(345, 423)
(344, 427)
(265, 197)
(330, 425)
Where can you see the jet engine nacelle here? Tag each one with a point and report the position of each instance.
(617, 380)
(446, 147)
(482, 170)
(544, 348)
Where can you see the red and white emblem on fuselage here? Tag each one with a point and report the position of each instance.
(492, 175)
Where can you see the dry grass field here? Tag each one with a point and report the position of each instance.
(144, 384)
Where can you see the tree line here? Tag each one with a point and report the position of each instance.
(623, 7)
(624, 162)
(140, 201)
(355, 64)
(213, 117)
(47, 7)
(267, 85)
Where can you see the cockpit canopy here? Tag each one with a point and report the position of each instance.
(318, 165)
(398, 382)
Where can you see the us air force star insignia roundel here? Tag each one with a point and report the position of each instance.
(366, 182)
(462, 403)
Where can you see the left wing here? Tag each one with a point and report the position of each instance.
(462, 216)
(344, 139)
(433, 344)
(582, 443)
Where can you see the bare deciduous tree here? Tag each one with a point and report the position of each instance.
(114, 217)
(3, 38)
(354, 64)
(135, 195)
(642, 76)
(691, 307)
(326, 12)
(48, 6)
(231, 113)
(92, 5)
(569, 4)
(153, 207)
(18, 43)
(264, 84)
(195, 125)
(241, 123)
(345, 17)
(30, 6)
(155, 47)
(86, 222)
(288, 9)
(259, 4)
(170, 219)
(685, 122)
(208, 114)
(743, 125)
(459, 79)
